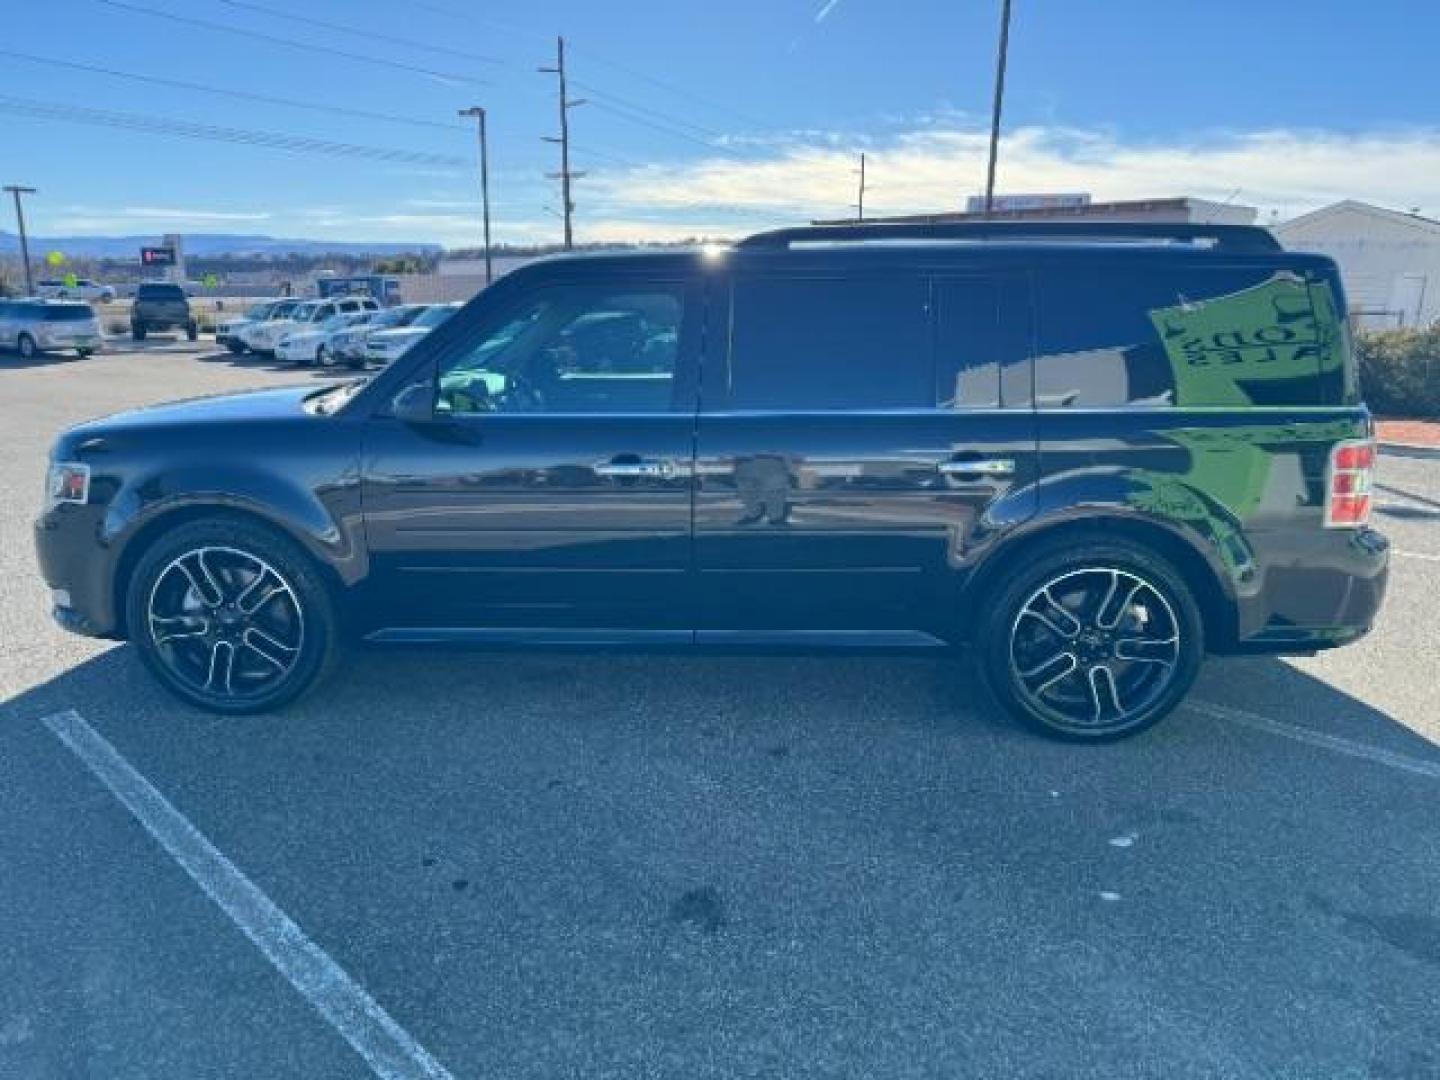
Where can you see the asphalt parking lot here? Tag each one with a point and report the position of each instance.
(658, 866)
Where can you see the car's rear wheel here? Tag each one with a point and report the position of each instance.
(322, 357)
(232, 617)
(83, 353)
(192, 331)
(25, 344)
(137, 332)
(236, 347)
(1091, 641)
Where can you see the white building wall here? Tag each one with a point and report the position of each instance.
(1390, 262)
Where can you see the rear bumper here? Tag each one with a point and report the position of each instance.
(1312, 590)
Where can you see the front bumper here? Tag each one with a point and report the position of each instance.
(77, 567)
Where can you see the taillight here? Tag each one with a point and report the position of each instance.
(1347, 484)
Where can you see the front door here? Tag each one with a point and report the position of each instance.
(550, 498)
(864, 440)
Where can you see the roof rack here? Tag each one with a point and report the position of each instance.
(1242, 238)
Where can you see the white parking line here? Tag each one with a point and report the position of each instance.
(1415, 555)
(1404, 762)
(386, 1047)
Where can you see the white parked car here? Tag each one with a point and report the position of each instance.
(227, 331)
(81, 289)
(383, 346)
(31, 327)
(315, 346)
(349, 344)
(263, 337)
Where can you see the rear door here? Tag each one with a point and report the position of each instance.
(866, 436)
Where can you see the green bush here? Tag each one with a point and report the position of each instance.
(1400, 372)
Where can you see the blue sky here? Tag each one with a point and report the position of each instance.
(707, 118)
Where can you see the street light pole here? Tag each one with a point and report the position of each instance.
(999, 99)
(479, 114)
(17, 191)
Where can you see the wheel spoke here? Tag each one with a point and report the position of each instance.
(264, 595)
(220, 671)
(1068, 625)
(1111, 623)
(1055, 668)
(1145, 650)
(187, 621)
(274, 652)
(215, 596)
(1103, 690)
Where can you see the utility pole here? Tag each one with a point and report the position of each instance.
(564, 175)
(17, 191)
(479, 114)
(860, 203)
(999, 99)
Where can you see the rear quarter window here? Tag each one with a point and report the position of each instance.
(1147, 336)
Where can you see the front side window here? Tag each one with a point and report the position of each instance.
(585, 349)
(831, 343)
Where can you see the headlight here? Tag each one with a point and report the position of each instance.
(68, 481)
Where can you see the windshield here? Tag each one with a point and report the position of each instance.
(283, 310)
(258, 311)
(160, 292)
(433, 317)
(305, 312)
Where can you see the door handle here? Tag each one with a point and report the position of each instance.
(635, 469)
(978, 467)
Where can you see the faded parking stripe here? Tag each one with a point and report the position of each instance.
(1404, 762)
(386, 1047)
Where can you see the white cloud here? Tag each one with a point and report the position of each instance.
(934, 168)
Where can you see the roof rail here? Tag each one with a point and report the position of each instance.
(1242, 238)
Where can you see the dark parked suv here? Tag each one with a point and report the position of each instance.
(161, 306)
(1094, 454)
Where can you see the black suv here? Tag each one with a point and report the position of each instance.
(161, 306)
(1094, 454)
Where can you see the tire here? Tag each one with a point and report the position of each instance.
(84, 353)
(236, 347)
(186, 609)
(322, 357)
(192, 332)
(137, 332)
(25, 345)
(1090, 641)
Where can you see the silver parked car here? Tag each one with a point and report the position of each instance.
(31, 327)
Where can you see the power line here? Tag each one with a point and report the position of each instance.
(243, 95)
(355, 31)
(291, 43)
(161, 125)
(675, 121)
(624, 114)
(590, 53)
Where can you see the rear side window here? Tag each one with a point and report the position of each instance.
(1161, 336)
(831, 343)
(66, 313)
(982, 343)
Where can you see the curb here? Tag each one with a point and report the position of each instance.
(1410, 450)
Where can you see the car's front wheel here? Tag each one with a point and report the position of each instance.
(26, 346)
(232, 617)
(1091, 641)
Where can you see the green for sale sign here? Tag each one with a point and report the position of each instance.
(1222, 347)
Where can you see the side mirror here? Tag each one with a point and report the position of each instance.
(415, 404)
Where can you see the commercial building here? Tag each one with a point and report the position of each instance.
(1389, 260)
(1174, 210)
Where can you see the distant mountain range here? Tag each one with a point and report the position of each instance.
(206, 244)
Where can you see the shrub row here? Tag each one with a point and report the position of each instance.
(1400, 372)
